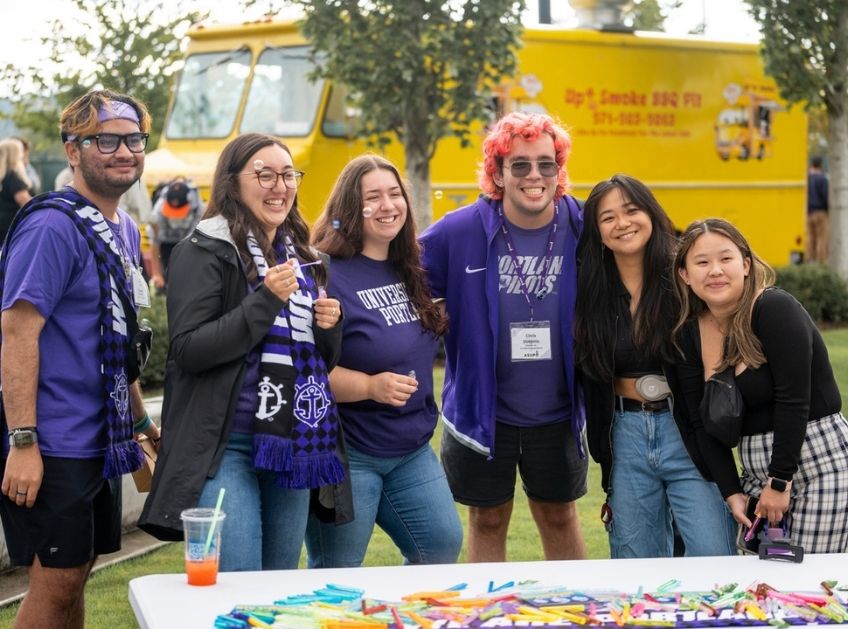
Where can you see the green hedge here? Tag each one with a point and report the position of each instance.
(822, 291)
(154, 373)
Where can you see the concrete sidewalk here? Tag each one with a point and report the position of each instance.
(133, 543)
(13, 582)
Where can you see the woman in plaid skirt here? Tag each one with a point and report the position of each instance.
(794, 445)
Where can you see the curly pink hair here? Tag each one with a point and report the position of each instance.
(498, 144)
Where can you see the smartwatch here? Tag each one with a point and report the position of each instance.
(778, 484)
(23, 437)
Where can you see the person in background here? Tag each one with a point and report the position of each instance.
(70, 289)
(14, 182)
(32, 173)
(818, 230)
(638, 426)
(794, 445)
(384, 379)
(506, 269)
(175, 214)
(63, 178)
(248, 406)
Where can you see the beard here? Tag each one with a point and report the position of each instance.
(101, 180)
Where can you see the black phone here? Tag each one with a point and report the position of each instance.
(748, 540)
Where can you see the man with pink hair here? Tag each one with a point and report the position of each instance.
(505, 267)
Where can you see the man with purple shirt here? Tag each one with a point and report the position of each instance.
(71, 284)
(505, 267)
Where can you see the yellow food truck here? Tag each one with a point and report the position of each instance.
(698, 121)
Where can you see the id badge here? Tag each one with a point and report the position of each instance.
(141, 292)
(530, 340)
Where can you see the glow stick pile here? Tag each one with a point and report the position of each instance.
(529, 603)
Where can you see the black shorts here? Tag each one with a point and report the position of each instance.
(546, 456)
(76, 516)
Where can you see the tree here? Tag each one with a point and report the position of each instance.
(131, 46)
(650, 15)
(422, 69)
(805, 47)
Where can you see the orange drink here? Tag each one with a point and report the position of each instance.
(202, 528)
(204, 572)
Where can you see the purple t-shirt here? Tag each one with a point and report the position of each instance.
(381, 332)
(51, 266)
(531, 392)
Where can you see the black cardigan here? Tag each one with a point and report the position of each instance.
(795, 385)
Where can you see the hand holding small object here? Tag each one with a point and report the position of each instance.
(281, 280)
(327, 312)
(391, 388)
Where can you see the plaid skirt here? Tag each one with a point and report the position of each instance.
(817, 518)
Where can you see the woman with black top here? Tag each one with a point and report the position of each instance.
(14, 183)
(638, 431)
(794, 445)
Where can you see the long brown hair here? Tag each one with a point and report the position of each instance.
(225, 200)
(740, 344)
(338, 232)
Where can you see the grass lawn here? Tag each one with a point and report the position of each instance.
(107, 605)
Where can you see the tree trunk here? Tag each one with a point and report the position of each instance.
(837, 150)
(418, 173)
(837, 155)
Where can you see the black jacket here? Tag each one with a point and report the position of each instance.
(214, 322)
(600, 407)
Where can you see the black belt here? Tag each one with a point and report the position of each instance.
(627, 404)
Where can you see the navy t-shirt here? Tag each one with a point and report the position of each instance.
(381, 332)
(530, 392)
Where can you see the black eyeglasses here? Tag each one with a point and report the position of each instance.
(267, 178)
(109, 142)
(522, 168)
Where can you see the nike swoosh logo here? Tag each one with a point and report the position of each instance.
(469, 270)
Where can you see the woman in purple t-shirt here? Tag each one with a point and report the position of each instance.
(384, 379)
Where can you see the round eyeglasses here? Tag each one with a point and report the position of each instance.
(108, 143)
(267, 178)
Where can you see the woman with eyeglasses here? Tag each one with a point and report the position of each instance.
(638, 425)
(384, 379)
(248, 407)
(14, 183)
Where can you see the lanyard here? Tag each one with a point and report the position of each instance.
(546, 261)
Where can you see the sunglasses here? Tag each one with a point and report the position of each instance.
(522, 168)
(109, 142)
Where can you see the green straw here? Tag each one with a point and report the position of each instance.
(214, 519)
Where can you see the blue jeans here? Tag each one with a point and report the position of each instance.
(653, 478)
(265, 524)
(408, 497)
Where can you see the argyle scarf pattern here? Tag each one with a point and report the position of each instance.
(296, 426)
(117, 319)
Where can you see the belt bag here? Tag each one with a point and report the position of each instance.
(722, 407)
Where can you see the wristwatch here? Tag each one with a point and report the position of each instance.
(779, 484)
(23, 437)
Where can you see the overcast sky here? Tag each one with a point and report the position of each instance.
(21, 29)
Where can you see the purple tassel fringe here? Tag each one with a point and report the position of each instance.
(122, 458)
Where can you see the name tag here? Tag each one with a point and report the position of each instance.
(530, 340)
(141, 292)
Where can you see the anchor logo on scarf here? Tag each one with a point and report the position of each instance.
(311, 402)
(121, 395)
(270, 392)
